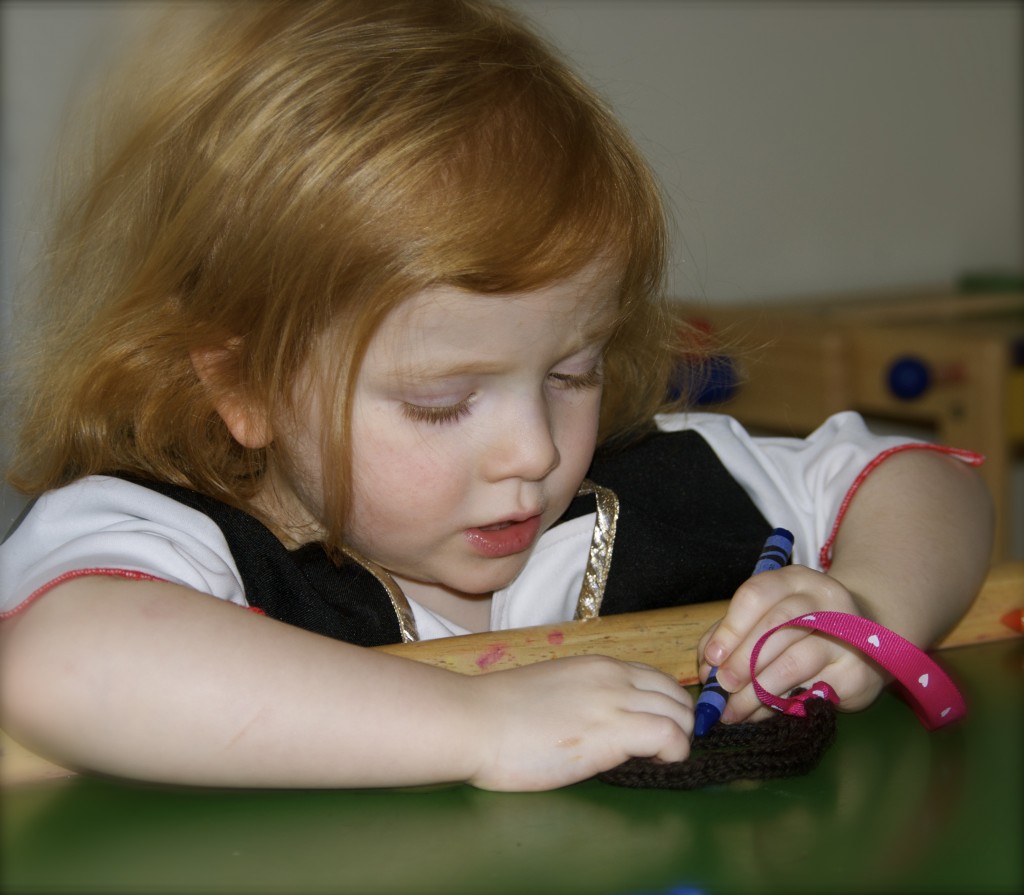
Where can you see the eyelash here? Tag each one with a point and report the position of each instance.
(446, 413)
(591, 379)
(450, 413)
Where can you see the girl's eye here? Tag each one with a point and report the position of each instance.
(442, 413)
(591, 379)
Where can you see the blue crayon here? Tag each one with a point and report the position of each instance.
(711, 702)
(775, 553)
(710, 705)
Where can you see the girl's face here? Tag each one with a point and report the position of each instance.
(473, 423)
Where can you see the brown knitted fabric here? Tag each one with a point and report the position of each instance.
(782, 746)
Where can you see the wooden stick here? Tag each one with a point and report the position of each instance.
(664, 638)
(667, 638)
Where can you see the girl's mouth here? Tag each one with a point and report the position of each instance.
(504, 538)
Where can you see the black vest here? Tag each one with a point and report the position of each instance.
(686, 533)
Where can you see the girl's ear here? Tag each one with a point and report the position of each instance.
(247, 423)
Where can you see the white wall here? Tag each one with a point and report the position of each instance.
(818, 146)
(805, 146)
(50, 51)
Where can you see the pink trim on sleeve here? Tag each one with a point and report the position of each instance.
(86, 573)
(69, 576)
(974, 459)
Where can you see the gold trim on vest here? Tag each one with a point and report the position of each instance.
(600, 559)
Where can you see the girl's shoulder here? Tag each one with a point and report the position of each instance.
(802, 484)
(109, 525)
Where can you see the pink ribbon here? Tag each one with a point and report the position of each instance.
(928, 689)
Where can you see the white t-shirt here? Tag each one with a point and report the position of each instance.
(104, 525)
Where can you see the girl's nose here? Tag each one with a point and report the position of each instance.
(524, 447)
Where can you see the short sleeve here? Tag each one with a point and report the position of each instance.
(803, 484)
(104, 525)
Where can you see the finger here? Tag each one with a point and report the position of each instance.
(770, 601)
(735, 672)
(651, 679)
(675, 748)
(662, 729)
(758, 595)
(703, 666)
(647, 702)
(752, 600)
(706, 636)
(800, 665)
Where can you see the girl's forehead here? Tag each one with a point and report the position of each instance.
(586, 302)
(444, 321)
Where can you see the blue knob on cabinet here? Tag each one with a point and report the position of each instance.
(909, 377)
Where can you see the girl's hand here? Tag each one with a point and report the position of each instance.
(562, 721)
(792, 657)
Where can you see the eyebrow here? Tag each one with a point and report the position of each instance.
(427, 372)
(431, 373)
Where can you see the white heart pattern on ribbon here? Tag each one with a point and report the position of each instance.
(935, 699)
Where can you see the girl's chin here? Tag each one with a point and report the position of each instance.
(471, 586)
(486, 585)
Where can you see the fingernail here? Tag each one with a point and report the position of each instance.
(727, 680)
(715, 653)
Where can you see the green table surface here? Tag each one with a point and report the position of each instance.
(891, 808)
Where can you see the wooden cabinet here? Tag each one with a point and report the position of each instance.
(799, 361)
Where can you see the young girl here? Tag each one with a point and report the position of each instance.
(333, 331)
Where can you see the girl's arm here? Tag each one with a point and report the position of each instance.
(154, 681)
(911, 554)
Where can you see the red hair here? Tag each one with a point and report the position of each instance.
(308, 166)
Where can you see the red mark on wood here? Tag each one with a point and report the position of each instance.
(555, 638)
(491, 655)
(1014, 619)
